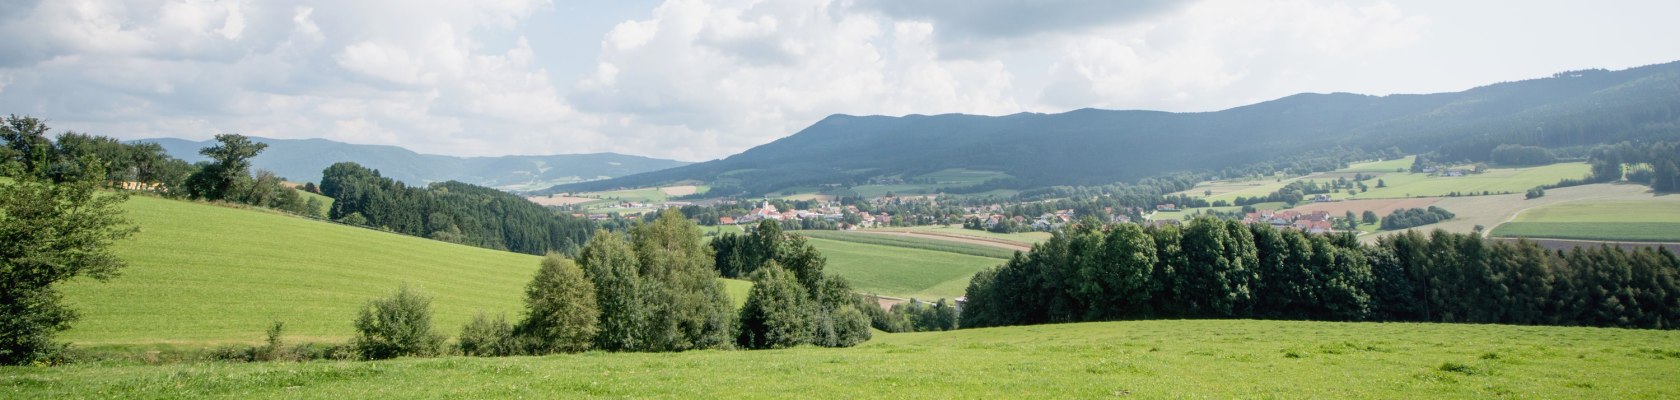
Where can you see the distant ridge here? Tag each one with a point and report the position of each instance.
(1091, 146)
(303, 159)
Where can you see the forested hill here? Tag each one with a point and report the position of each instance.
(303, 160)
(1092, 146)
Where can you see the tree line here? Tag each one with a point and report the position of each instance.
(1224, 269)
(450, 211)
(653, 289)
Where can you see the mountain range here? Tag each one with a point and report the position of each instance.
(302, 160)
(1090, 146)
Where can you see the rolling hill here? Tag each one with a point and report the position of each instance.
(303, 160)
(1092, 146)
(202, 274)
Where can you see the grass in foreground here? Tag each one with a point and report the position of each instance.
(1146, 359)
(900, 271)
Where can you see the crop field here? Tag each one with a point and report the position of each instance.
(1648, 219)
(642, 195)
(900, 271)
(1143, 359)
(1026, 238)
(202, 275)
(1496, 180)
(1492, 211)
(1610, 231)
(913, 242)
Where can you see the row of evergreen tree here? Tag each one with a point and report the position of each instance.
(451, 211)
(1224, 269)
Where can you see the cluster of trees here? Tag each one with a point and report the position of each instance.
(1407, 218)
(1223, 269)
(74, 156)
(1657, 163)
(792, 301)
(450, 211)
(227, 177)
(914, 316)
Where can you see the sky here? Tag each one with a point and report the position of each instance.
(695, 80)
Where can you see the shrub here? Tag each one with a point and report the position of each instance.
(483, 337)
(563, 315)
(397, 326)
(776, 312)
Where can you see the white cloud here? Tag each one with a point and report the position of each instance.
(693, 79)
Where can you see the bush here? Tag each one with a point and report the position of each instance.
(563, 315)
(484, 337)
(397, 326)
(776, 314)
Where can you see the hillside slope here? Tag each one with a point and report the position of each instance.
(1143, 359)
(303, 160)
(1100, 146)
(203, 274)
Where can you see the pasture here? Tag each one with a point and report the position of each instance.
(1025, 238)
(1491, 211)
(1495, 180)
(1143, 359)
(1652, 219)
(914, 242)
(901, 271)
(201, 275)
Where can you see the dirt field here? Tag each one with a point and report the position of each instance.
(1382, 207)
(559, 200)
(679, 190)
(954, 238)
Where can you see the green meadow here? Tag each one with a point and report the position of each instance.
(1495, 180)
(1650, 220)
(1142, 359)
(1023, 238)
(901, 271)
(202, 275)
(913, 243)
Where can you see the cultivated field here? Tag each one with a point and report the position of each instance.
(1491, 211)
(1024, 238)
(201, 275)
(1142, 359)
(682, 190)
(902, 271)
(983, 248)
(1651, 219)
(559, 200)
(1496, 180)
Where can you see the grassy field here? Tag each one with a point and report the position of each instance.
(1143, 359)
(1497, 180)
(899, 271)
(202, 275)
(913, 242)
(1609, 231)
(1026, 238)
(1654, 219)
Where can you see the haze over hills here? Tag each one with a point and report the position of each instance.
(1091, 146)
(302, 160)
